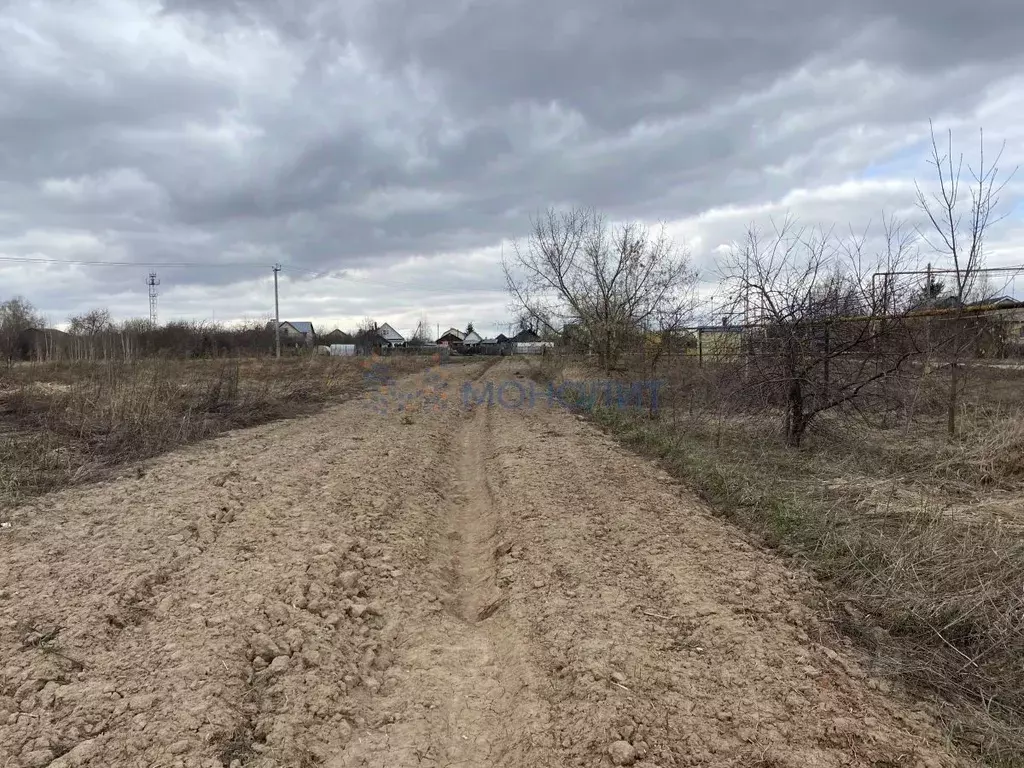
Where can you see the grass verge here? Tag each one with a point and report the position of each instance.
(920, 566)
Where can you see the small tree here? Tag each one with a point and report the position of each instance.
(960, 211)
(613, 282)
(367, 337)
(469, 328)
(821, 339)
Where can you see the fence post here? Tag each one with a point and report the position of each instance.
(700, 347)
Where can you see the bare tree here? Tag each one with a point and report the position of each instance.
(367, 336)
(422, 334)
(17, 316)
(611, 282)
(960, 210)
(819, 338)
(92, 332)
(525, 321)
(91, 323)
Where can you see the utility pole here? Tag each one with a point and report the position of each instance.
(152, 283)
(277, 314)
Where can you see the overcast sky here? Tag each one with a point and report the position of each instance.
(406, 140)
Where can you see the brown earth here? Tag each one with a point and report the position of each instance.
(443, 586)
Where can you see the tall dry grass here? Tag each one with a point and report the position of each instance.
(67, 423)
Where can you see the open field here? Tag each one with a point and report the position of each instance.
(445, 585)
(64, 423)
(918, 540)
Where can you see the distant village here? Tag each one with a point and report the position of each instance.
(383, 338)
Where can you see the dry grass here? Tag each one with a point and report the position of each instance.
(62, 424)
(919, 539)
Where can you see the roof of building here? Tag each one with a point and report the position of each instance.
(451, 333)
(526, 335)
(300, 326)
(338, 334)
(388, 333)
(997, 301)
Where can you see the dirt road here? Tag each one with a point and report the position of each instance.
(453, 586)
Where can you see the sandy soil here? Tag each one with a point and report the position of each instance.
(446, 586)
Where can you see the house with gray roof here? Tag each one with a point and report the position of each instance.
(297, 332)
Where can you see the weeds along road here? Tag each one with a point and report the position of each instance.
(461, 586)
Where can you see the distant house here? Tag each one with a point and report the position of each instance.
(525, 336)
(297, 333)
(998, 302)
(451, 337)
(499, 345)
(390, 337)
(471, 339)
(336, 336)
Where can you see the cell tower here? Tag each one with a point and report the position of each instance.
(152, 283)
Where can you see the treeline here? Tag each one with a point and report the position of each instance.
(95, 336)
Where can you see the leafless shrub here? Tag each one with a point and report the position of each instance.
(821, 337)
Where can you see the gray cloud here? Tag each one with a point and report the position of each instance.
(360, 134)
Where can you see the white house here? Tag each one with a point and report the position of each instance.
(297, 332)
(471, 339)
(390, 336)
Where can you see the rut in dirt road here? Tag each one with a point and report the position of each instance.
(474, 524)
(467, 667)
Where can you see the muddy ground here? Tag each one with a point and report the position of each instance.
(452, 585)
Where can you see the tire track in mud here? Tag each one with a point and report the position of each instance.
(467, 693)
(474, 527)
